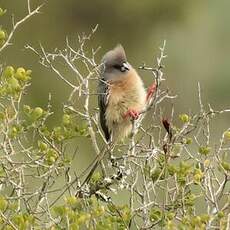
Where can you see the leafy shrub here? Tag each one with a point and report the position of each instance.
(169, 176)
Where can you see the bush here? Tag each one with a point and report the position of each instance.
(169, 176)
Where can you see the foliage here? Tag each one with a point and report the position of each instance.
(173, 176)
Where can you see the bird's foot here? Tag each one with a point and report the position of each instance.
(150, 91)
(132, 114)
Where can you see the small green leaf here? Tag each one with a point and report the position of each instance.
(51, 156)
(2, 35)
(13, 132)
(27, 109)
(184, 118)
(204, 150)
(60, 210)
(50, 160)
(42, 146)
(155, 214)
(172, 169)
(71, 200)
(96, 177)
(13, 85)
(188, 141)
(28, 72)
(8, 72)
(22, 74)
(225, 165)
(2, 116)
(66, 119)
(197, 175)
(37, 113)
(170, 215)
(155, 174)
(2, 12)
(220, 214)
(190, 200)
(227, 135)
(3, 203)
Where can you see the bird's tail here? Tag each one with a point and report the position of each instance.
(94, 164)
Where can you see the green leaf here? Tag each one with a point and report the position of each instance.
(227, 135)
(42, 146)
(197, 175)
(171, 169)
(60, 210)
(188, 141)
(51, 156)
(190, 200)
(3, 203)
(2, 35)
(13, 85)
(2, 12)
(8, 72)
(71, 201)
(225, 165)
(204, 150)
(27, 109)
(96, 177)
(184, 118)
(155, 214)
(37, 113)
(220, 214)
(155, 174)
(66, 119)
(2, 116)
(22, 74)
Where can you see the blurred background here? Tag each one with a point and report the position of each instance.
(197, 35)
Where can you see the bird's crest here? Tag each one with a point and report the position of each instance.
(115, 56)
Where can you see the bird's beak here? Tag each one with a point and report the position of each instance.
(126, 66)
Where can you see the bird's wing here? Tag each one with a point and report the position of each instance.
(103, 102)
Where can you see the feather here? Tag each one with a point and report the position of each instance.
(103, 103)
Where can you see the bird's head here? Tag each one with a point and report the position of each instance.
(115, 64)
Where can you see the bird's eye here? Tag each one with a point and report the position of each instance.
(123, 68)
(117, 67)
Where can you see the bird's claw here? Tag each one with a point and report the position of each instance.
(151, 90)
(132, 114)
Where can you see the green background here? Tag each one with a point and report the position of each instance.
(197, 35)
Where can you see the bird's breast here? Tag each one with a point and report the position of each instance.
(127, 93)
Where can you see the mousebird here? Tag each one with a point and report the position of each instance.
(122, 95)
(121, 98)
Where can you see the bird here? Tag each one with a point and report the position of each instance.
(121, 99)
(121, 95)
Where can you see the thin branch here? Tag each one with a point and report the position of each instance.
(19, 23)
